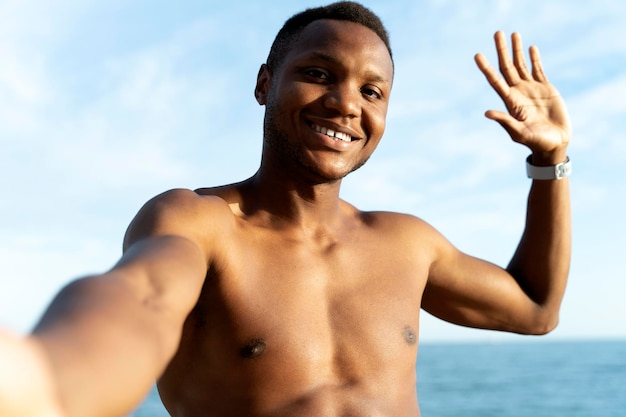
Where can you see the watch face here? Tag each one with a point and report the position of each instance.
(565, 169)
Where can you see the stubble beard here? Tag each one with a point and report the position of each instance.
(291, 153)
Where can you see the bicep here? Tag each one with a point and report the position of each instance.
(123, 326)
(163, 273)
(146, 296)
(165, 257)
(471, 292)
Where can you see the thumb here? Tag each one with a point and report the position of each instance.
(512, 125)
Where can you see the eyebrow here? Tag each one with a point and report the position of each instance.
(374, 76)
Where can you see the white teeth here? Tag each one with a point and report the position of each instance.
(329, 132)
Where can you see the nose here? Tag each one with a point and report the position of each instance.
(344, 99)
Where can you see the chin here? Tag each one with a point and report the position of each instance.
(332, 174)
(319, 168)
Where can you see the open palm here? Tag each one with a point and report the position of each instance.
(537, 116)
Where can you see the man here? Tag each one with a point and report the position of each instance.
(274, 297)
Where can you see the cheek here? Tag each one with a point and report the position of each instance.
(294, 94)
(285, 105)
(377, 119)
(305, 96)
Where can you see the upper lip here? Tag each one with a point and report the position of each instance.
(337, 128)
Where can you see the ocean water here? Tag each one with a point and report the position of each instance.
(526, 379)
(533, 378)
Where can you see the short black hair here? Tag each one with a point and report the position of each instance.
(343, 10)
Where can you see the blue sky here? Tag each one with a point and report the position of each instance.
(104, 104)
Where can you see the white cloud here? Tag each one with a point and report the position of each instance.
(599, 118)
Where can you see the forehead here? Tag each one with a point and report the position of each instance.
(346, 41)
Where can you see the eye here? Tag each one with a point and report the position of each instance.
(371, 92)
(316, 73)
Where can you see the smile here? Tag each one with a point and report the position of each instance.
(331, 133)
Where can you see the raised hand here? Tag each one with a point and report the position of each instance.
(537, 116)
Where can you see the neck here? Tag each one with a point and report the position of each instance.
(289, 200)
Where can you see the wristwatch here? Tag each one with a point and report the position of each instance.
(552, 172)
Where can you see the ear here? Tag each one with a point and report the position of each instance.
(263, 81)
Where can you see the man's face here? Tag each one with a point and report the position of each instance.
(327, 101)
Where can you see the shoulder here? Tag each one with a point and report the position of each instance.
(407, 232)
(179, 212)
(396, 223)
(187, 203)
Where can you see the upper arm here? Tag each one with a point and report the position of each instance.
(125, 325)
(164, 274)
(153, 286)
(472, 292)
(168, 248)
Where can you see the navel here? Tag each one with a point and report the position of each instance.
(409, 335)
(253, 349)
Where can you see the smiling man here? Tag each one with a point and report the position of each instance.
(273, 296)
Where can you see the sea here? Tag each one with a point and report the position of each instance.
(510, 379)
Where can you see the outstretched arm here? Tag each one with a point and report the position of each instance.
(105, 339)
(526, 297)
(109, 337)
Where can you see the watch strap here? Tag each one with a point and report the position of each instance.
(552, 172)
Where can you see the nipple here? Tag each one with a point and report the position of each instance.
(253, 349)
(409, 335)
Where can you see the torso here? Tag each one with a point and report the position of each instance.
(288, 325)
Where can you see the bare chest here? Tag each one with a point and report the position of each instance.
(289, 320)
(318, 301)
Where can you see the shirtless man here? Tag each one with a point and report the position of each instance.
(274, 297)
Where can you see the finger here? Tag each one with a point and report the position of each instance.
(518, 57)
(535, 60)
(508, 70)
(492, 76)
(513, 127)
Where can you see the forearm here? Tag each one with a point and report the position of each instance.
(541, 262)
(103, 346)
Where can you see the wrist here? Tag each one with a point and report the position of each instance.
(546, 159)
(550, 172)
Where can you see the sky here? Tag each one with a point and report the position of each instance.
(105, 104)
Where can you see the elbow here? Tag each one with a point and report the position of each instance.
(544, 329)
(542, 325)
